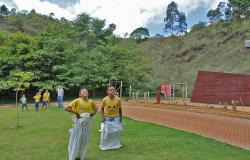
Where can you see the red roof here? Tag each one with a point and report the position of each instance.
(216, 87)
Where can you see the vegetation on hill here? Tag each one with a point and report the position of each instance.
(217, 47)
(85, 51)
(79, 53)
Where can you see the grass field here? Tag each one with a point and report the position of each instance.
(44, 136)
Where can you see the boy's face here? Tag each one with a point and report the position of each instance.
(46, 91)
(111, 91)
(84, 93)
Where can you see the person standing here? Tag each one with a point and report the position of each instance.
(46, 97)
(111, 107)
(111, 113)
(60, 93)
(37, 100)
(24, 102)
(83, 109)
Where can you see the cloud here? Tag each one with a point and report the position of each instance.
(45, 8)
(9, 3)
(126, 14)
(194, 12)
(131, 14)
(63, 3)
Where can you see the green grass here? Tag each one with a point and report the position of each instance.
(44, 135)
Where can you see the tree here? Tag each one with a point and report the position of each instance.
(182, 23)
(23, 12)
(13, 12)
(228, 11)
(81, 23)
(125, 35)
(171, 18)
(140, 33)
(92, 31)
(222, 12)
(175, 21)
(33, 11)
(198, 26)
(240, 8)
(157, 35)
(4, 10)
(83, 52)
(214, 15)
(19, 81)
(51, 15)
(64, 20)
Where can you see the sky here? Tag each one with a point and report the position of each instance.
(126, 14)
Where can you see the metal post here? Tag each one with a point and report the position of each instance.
(183, 90)
(174, 91)
(130, 90)
(121, 90)
(148, 95)
(17, 124)
(186, 90)
(138, 94)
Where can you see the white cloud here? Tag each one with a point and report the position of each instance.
(126, 14)
(44, 8)
(130, 14)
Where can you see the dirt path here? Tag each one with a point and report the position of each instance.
(234, 131)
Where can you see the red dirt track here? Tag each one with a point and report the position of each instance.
(234, 131)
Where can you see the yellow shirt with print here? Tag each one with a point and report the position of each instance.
(37, 98)
(46, 96)
(81, 106)
(111, 106)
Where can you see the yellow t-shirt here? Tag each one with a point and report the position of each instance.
(111, 106)
(37, 98)
(81, 106)
(46, 96)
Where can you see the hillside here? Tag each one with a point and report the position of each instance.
(31, 23)
(218, 47)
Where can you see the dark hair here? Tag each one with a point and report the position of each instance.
(83, 89)
(109, 86)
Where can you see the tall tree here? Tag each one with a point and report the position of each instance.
(182, 28)
(175, 21)
(171, 18)
(222, 12)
